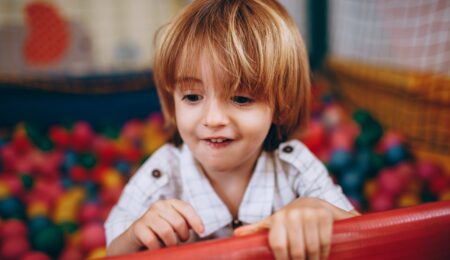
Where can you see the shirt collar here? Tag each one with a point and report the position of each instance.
(256, 203)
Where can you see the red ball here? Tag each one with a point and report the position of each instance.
(315, 137)
(60, 136)
(71, 253)
(82, 136)
(381, 202)
(14, 184)
(439, 184)
(92, 236)
(90, 212)
(105, 150)
(35, 255)
(391, 182)
(14, 228)
(14, 248)
(427, 170)
(79, 173)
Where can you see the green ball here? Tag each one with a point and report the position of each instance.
(69, 227)
(88, 160)
(362, 117)
(44, 143)
(49, 240)
(27, 181)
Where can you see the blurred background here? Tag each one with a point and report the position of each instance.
(79, 111)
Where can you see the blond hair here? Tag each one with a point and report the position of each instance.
(257, 48)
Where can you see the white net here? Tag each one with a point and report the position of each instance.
(407, 34)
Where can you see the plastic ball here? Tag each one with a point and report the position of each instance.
(445, 195)
(14, 248)
(60, 136)
(49, 240)
(14, 228)
(71, 253)
(427, 170)
(69, 227)
(12, 208)
(315, 136)
(97, 253)
(391, 182)
(87, 160)
(438, 184)
(69, 160)
(123, 167)
(340, 159)
(82, 136)
(396, 154)
(37, 208)
(370, 188)
(351, 180)
(341, 140)
(112, 179)
(35, 255)
(408, 199)
(90, 212)
(92, 237)
(79, 173)
(37, 224)
(389, 140)
(14, 184)
(381, 202)
(27, 181)
(4, 190)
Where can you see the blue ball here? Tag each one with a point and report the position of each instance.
(38, 223)
(352, 180)
(123, 167)
(12, 207)
(396, 154)
(340, 159)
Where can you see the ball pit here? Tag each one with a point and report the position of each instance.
(61, 182)
(58, 185)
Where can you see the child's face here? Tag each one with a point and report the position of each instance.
(224, 134)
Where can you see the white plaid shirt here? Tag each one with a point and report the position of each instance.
(280, 177)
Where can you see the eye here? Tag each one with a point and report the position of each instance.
(192, 98)
(241, 100)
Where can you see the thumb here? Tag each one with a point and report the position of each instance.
(252, 228)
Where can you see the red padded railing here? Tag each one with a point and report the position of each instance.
(420, 232)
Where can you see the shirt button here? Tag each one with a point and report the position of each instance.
(236, 223)
(288, 149)
(156, 173)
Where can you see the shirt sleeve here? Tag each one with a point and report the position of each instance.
(144, 188)
(310, 177)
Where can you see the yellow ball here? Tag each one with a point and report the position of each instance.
(5, 191)
(370, 188)
(445, 195)
(112, 178)
(37, 209)
(97, 253)
(408, 199)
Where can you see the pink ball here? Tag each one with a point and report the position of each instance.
(439, 184)
(90, 212)
(71, 253)
(391, 182)
(92, 236)
(406, 171)
(381, 202)
(82, 136)
(35, 255)
(14, 248)
(14, 228)
(427, 170)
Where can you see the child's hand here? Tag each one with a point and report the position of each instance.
(300, 230)
(166, 221)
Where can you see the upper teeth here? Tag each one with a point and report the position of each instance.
(217, 140)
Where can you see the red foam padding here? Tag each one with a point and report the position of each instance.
(420, 232)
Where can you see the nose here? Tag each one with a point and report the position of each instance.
(215, 114)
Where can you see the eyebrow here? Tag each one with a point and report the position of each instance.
(187, 79)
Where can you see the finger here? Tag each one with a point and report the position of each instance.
(145, 236)
(325, 234)
(295, 236)
(278, 237)
(177, 222)
(189, 214)
(311, 234)
(162, 229)
(253, 228)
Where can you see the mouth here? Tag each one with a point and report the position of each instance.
(218, 142)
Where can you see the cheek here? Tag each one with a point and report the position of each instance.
(257, 122)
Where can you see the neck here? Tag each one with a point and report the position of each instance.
(231, 185)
